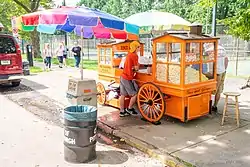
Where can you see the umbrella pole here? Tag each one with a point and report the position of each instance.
(82, 53)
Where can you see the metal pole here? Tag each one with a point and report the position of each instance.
(88, 47)
(208, 13)
(237, 56)
(65, 33)
(82, 53)
(214, 19)
(23, 46)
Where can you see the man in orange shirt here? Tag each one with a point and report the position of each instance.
(128, 86)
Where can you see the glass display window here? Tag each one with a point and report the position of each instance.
(208, 51)
(161, 52)
(192, 74)
(174, 54)
(192, 52)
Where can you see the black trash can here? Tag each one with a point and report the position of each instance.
(29, 55)
(80, 133)
(26, 68)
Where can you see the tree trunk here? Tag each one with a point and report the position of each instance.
(35, 43)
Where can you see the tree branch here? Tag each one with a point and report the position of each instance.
(37, 6)
(22, 5)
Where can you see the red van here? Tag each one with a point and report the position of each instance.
(11, 70)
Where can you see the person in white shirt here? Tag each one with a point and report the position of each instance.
(47, 55)
(59, 53)
(222, 64)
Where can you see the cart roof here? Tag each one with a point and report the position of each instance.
(187, 36)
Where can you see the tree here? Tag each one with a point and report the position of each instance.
(233, 13)
(7, 10)
(30, 6)
(239, 25)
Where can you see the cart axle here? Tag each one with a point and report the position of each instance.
(150, 102)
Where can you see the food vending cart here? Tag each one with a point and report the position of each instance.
(182, 80)
(111, 57)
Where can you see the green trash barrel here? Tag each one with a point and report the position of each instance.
(80, 133)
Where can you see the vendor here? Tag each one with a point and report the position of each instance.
(128, 87)
(222, 64)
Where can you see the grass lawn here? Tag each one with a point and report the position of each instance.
(87, 64)
(35, 69)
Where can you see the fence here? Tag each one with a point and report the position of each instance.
(54, 41)
(237, 50)
(234, 46)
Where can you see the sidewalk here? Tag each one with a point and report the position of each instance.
(27, 141)
(201, 142)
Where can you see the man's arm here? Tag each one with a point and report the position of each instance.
(136, 68)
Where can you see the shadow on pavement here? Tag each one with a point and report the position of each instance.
(33, 101)
(28, 87)
(115, 121)
(110, 157)
(8, 89)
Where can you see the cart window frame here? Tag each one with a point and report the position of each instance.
(104, 56)
(202, 62)
(167, 62)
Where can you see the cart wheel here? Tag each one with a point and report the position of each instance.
(101, 97)
(151, 102)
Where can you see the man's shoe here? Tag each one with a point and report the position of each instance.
(214, 108)
(124, 114)
(131, 111)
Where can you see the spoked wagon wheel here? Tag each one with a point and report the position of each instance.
(151, 102)
(101, 96)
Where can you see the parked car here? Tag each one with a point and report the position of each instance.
(11, 68)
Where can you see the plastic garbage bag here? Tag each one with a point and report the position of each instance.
(80, 113)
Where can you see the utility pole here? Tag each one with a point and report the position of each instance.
(65, 33)
(214, 19)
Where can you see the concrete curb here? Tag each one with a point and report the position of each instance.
(147, 148)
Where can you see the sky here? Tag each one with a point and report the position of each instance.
(68, 2)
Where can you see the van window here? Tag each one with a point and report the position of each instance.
(7, 45)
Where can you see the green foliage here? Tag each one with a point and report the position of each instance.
(234, 13)
(8, 9)
(239, 25)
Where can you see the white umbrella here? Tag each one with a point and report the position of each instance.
(156, 20)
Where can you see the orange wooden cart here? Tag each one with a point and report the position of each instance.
(182, 80)
(110, 56)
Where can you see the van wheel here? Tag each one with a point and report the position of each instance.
(15, 84)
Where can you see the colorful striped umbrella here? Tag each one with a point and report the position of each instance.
(90, 22)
